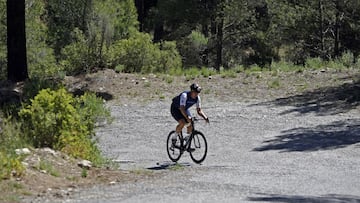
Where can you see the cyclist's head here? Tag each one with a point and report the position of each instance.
(195, 87)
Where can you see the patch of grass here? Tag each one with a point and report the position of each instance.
(71, 178)
(141, 172)
(192, 73)
(206, 72)
(48, 167)
(84, 173)
(314, 63)
(169, 79)
(176, 71)
(147, 84)
(283, 66)
(176, 167)
(228, 73)
(10, 139)
(275, 84)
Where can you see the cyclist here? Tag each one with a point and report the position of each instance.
(180, 108)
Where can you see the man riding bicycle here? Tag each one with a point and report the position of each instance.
(180, 108)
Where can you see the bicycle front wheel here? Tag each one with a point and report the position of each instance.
(198, 147)
(173, 146)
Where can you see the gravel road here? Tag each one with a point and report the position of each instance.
(258, 152)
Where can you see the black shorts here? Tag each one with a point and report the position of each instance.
(176, 113)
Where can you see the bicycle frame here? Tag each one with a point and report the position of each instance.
(196, 141)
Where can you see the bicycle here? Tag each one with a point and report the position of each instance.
(196, 145)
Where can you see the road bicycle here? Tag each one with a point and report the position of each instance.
(196, 145)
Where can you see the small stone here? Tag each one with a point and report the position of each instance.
(22, 151)
(49, 151)
(85, 164)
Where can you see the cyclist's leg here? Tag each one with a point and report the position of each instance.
(180, 126)
(177, 115)
(189, 127)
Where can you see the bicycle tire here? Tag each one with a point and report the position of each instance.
(199, 144)
(174, 152)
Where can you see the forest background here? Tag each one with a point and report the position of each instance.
(173, 37)
(71, 37)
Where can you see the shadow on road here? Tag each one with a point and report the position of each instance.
(168, 166)
(323, 137)
(323, 101)
(302, 199)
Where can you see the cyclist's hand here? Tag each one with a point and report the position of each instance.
(189, 119)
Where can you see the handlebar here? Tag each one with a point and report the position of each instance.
(193, 119)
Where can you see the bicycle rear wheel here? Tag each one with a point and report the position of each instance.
(173, 146)
(198, 147)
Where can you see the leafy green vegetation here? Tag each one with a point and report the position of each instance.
(174, 38)
(11, 138)
(48, 168)
(57, 120)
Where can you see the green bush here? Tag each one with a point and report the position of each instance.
(191, 47)
(283, 66)
(91, 110)
(49, 115)
(139, 54)
(169, 57)
(10, 165)
(76, 58)
(347, 59)
(57, 120)
(314, 63)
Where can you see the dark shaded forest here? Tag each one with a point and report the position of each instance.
(71, 37)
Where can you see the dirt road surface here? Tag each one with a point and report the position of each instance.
(258, 152)
(296, 143)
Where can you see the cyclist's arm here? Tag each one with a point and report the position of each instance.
(183, 112)
(199, 110)
(202, 114)
(183, 98)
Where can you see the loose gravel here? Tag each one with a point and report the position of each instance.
(258, 152)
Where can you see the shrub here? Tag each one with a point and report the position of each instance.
(191, 48)
(347, 59)
(33, 86)
(53, 119)
(76, 58)
(283, 66)
(140, 55)
(314, 63)
(91, 110)
(50, 113)
(10, 165)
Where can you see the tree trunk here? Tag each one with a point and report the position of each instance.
(143, 7)
(158, 32)
(321, 24)
(219, 44)
(16, 41)
(140, 7)
(219, 36)
(337, 30)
